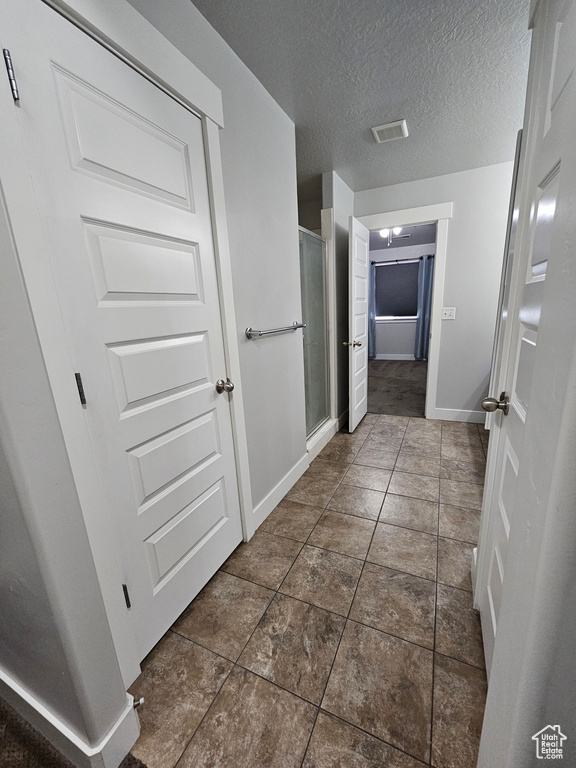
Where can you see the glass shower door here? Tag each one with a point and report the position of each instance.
(315, 315)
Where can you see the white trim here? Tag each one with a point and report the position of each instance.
(215, 176)
(343, 420)
(329, 236)
(424, 214)
(436, 318)
(396, 320)
(108, 753)
(474, 574)
(452, 414)
(271, 501)
(321, 438)
(441, 213)
(121, 29)
(393, 357)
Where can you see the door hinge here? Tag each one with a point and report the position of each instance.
(126, 596)
(80, 388)
(11, 75)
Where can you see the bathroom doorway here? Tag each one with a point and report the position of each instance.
(401, 275)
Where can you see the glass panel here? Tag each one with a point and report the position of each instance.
(314, 314)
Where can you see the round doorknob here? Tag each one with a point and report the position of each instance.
(224, 386)
(347, 343)
(357, 344)
(490, 404)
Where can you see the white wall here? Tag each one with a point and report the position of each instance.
(474, 260)
(259, 164)
(340, 198)
(395, 339)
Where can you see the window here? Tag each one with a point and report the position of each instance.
(397, 289)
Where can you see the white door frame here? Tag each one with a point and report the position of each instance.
(122, 30)
(440, 213)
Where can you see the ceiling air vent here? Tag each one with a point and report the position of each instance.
(390, 131)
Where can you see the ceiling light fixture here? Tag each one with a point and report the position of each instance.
(390, 131)
(387, 233)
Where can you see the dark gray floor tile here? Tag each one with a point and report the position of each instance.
(383, 685)
(459, 699)
(252, 723)
(404, 550)
(458, 632)
(179, 682)
(294, 646)
(397, 603)
(418, 514)
(265, 559)
(342, 533)
(223, 616)
(455, 563)
(292, 519)
(336, 744)
(326, 579)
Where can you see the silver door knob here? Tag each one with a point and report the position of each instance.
(224, 386)
(352, 343)
(357, 344)
(490, 404)
(347, 343)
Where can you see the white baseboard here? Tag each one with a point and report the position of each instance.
(450, 414)
(109, 753)
(269, 502)
(393, 357)
(474, 573)
(321, 438)
(342, 420)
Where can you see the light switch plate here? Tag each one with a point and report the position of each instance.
(448, 313)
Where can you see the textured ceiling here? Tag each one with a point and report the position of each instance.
(455, 69)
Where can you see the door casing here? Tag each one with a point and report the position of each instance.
(441, 213)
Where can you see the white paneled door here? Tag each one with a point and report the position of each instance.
(545, 198)
(120, 178)
(359, 261)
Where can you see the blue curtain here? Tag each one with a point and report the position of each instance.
(425, 276)
(372, 311)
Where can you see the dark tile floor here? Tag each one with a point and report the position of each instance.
(397, 387)
(343, 634)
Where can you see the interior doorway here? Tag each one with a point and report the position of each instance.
(401, 275)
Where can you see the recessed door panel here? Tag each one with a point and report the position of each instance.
(180, 536)
(158, 367)
(131, 265)
(164, 458)
(111, 141)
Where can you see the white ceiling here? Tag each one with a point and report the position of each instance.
(455, 69)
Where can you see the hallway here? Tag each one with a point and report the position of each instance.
(343, 633)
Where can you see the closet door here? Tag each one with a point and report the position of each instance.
(120, 177)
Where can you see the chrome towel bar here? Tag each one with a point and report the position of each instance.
(251, 333)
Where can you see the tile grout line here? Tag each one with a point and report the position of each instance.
(346, 619)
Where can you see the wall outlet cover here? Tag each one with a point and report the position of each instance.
(448, 313)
